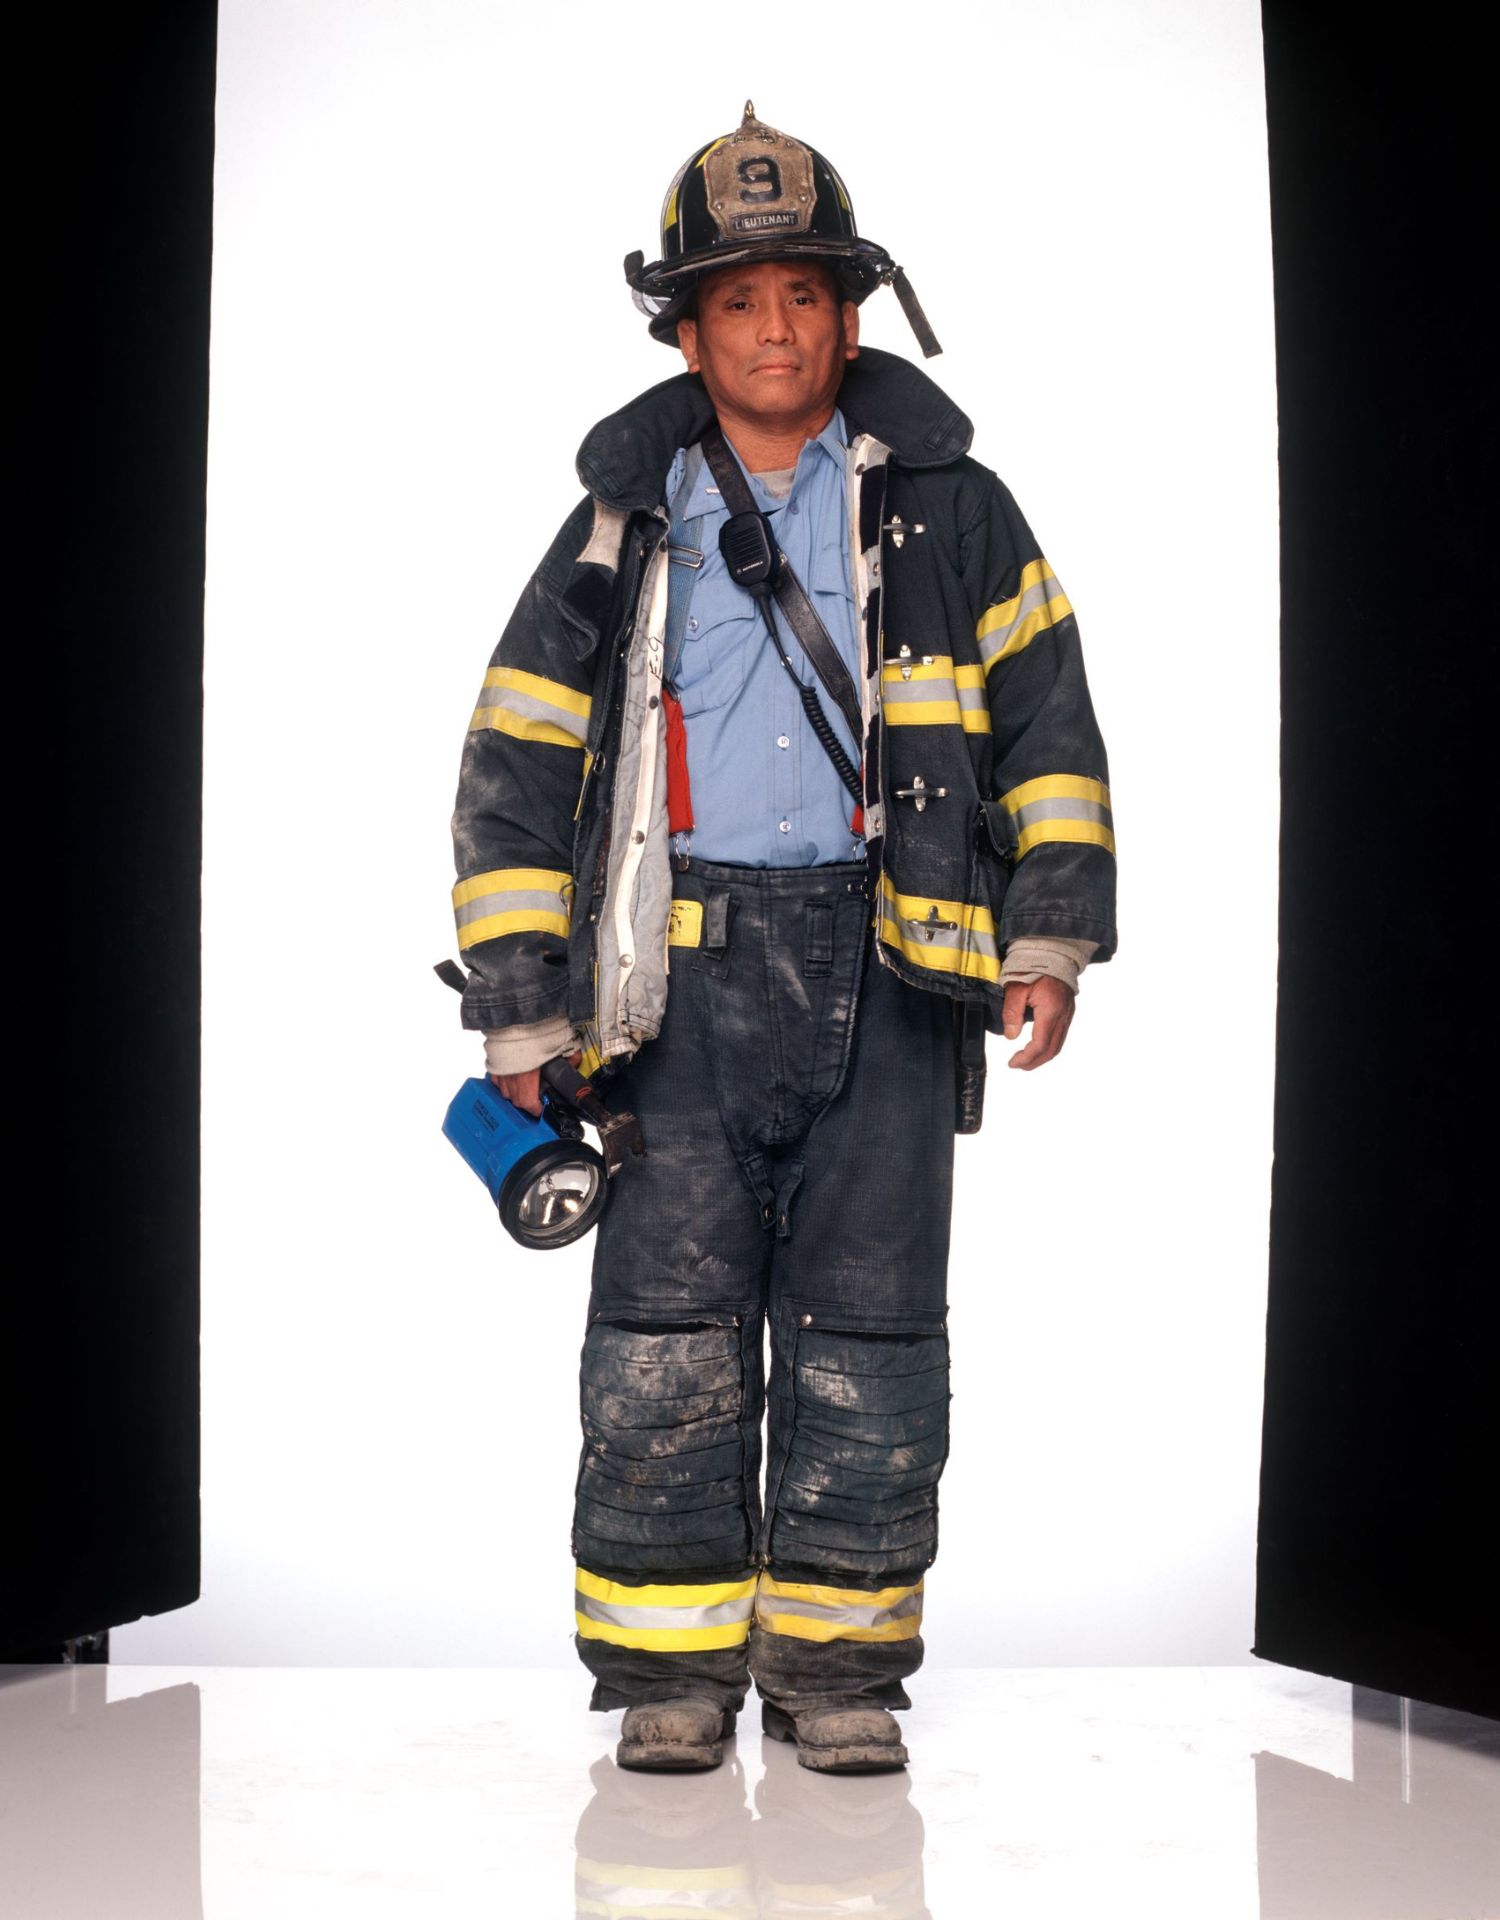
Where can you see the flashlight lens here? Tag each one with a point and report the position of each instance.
(556, 1198)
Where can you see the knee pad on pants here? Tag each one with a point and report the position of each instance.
(661, 1480)
(857, 1497)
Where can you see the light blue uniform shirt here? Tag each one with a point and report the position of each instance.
(764, 792)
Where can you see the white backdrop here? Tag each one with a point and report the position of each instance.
(418, 311)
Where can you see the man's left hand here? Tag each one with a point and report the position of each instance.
(1051, 1006)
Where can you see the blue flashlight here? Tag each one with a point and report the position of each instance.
(548, 1184)
(550, 1188)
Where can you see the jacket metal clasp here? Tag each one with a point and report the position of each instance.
(919, 793)
(932, 924)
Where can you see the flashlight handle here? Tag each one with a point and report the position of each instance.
(572, 1094)
(564, 1079)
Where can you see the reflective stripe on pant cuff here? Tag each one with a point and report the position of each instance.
(632, 1891)
(808, 1612)
(664, 1618)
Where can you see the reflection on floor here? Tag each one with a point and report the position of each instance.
(1234, 1793)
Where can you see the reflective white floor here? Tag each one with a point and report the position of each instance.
(1232, 1793)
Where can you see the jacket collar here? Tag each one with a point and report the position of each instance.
(624, 459)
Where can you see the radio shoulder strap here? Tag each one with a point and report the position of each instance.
(797, 610)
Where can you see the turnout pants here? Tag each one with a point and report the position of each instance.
(797, 1108)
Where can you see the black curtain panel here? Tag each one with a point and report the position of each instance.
(1377, 1559)
(100, 1358)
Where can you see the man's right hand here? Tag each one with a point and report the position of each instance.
(524, 1090)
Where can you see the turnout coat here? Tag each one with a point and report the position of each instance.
(986, 808)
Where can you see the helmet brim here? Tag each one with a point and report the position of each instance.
(664, 290)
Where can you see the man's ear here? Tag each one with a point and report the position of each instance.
(851, 330)
(687, 339)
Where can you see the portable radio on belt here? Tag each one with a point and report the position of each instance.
(549, 1185)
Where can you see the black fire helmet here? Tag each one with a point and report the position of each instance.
(756, 194)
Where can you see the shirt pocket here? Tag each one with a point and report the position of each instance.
(717, 654)
(828, 587)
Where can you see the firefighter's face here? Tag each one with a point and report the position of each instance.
(771, 339)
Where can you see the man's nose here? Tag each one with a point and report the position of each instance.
(776, 326)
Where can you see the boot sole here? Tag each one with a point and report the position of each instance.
(654, 1757)
(872, 1757)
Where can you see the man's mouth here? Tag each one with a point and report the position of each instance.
(777, 366)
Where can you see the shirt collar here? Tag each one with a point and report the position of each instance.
(831, 444)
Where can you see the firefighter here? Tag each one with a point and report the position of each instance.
(766, 834)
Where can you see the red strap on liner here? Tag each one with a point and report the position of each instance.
(679, 795)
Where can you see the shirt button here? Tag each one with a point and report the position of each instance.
(795, 507)
(692, 626)
(784, 825)
(783, 740)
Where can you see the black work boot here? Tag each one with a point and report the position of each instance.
(676, 1736)
(852, 1738)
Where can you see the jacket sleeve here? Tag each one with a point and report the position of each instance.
(518, 789)
(1050, 802)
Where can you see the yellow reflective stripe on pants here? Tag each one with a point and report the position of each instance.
(631, 1891)
(664, 1618)
(530, 707)
(1060, 806)
(1005, 629)
(838, 1613)
(896, 1893)
(949, 936)
(511, 900)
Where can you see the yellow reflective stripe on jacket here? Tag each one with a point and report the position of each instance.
(664, 1618)
(588, 761)
(919, 693)
(1060, 806)
(931, 691)
(838, 1613)
(973, 701)
(511, 900)
(1005, 629)
(530, 707)
(588, 1042)
(950, 936)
